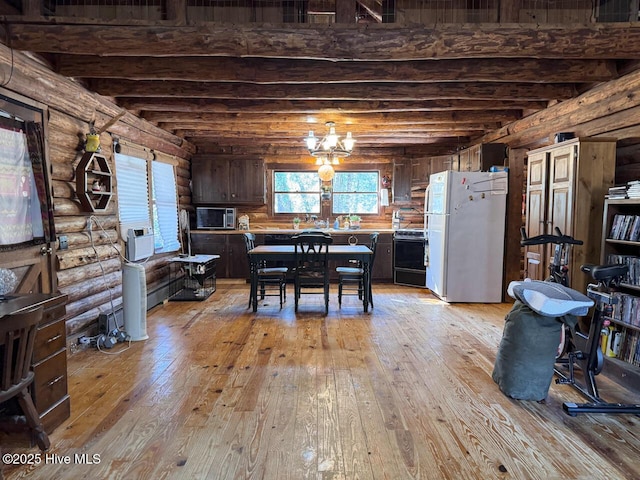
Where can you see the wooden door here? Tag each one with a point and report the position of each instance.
(238, 264)
(33, 267)
(465, 160)
(475, 158)
(441, 163)
(401, 181)
(209, 180)
(453, 162)
(247, 181)
(560, 196)
(420, 171)
(383, 266)
(535, 255)
(32, 261)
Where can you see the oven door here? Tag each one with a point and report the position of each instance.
(409, 254)
(409, 262)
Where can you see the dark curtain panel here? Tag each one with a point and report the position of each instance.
(35, 144)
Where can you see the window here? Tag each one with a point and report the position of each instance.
(165, 207)
(355, 192)
(137, 191)
(296, 192)
(133, 193)
(27, 216)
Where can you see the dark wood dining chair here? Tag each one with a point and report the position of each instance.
(351, 278)
(272, 281)
(312, 265)
(17, 339)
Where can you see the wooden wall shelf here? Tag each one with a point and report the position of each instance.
(93, 182)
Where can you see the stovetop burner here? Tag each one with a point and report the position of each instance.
(410, 234)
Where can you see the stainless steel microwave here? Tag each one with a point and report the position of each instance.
(215, 218)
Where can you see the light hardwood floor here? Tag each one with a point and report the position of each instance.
(402, 392)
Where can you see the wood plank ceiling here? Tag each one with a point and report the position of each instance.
(262, 87)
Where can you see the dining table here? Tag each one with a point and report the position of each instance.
(287, 254)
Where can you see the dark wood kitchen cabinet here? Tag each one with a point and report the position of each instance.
(383, 265)
(228, 181)
(481, 157)
(401, 181)
(233, 261)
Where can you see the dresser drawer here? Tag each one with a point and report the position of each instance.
(57, 414)
(49, 339)
(50, 383)
(54, 312)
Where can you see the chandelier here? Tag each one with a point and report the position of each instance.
(328, 149)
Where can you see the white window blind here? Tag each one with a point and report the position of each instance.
(165, 207)
(133, 193)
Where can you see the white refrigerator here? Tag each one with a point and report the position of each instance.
(465, 222)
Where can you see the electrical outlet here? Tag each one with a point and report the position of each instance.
(84, 340)
(63, 242)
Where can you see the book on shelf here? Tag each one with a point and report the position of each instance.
(615, 225)
(633, 262)
(635, 230)
(628, 220)
(633, 189)
(617, 192)
(625, 227)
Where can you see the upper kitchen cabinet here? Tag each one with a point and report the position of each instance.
(228, 181)
(401, 181)
(445, 162)
(481, 157)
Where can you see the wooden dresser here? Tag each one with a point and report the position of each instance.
(49, 389)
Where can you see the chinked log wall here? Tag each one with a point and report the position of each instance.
(71, 108)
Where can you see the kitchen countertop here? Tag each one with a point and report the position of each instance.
(291, 231)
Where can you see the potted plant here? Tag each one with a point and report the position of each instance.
(354, 220)
(296, 223)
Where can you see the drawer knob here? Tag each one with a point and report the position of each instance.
(54, 338)
(55, 380)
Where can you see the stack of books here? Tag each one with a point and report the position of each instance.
(617, 192)
(633, 189)
(625, 227)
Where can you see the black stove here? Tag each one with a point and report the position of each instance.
(410, 234)
(409, 257)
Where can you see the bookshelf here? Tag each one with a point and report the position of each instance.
(621, 244)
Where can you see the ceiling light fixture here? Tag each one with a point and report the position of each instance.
(330, 144)
(328, 149)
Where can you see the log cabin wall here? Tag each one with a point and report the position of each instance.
(607, 109)
(91, 286)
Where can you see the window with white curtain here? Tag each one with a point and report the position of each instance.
(147, 197)
(165, 207)
(133, 193)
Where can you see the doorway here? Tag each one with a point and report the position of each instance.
(27, 233)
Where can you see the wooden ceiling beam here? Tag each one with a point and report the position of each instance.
(597, 103)
(288, 150)
(343, 122)
(379, 139)
(301, 130)
(276, 70)
(248, 148)
(333, 42)
(380, 91)
(320, 106)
